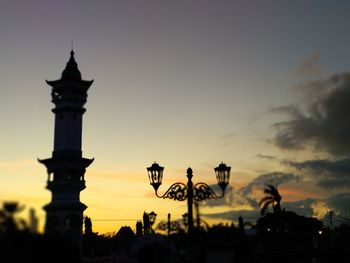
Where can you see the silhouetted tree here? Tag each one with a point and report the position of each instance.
(290, 228)
(272, 198)
(139, 227)
(241, 224)
(8, 222)
(169, 226)
(87, 225)
(146, 223)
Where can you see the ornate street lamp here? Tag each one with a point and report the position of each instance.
(181, 191)
(155, 175)
(222, 175)
(152, 218)
(148, 221)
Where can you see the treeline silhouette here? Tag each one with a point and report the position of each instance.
(19, 244)
(277, 236)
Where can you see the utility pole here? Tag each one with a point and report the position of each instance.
(198, 218)
(330, 217)
(169, 225)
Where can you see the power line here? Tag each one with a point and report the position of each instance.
(114, 219)
(342, 218)
(122, 219)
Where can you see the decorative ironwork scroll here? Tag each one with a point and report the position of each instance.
(174, 226)
(177, 191)
(202, 191)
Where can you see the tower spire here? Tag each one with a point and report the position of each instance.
(71, 71)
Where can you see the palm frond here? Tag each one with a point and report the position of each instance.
(265, 199)
(264, 208)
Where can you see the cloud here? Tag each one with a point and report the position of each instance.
(245, 196)
(340, 204)
(248, 215)
(226, 200)
(229, 135)
(267, 157)
(310, 207)
(304, 207)
(320, 209)
(328, 174)
(274, 178)
(308, 66)
(322, 122)
(227, 139)
(301, 207)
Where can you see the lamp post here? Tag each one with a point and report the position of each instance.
(148, 221)
(181, 192)
(152, 218)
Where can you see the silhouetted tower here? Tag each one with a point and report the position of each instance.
(66, 168)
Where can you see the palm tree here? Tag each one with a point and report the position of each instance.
(272, 198)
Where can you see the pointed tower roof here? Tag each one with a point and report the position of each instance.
(71, 77)
(71, 71)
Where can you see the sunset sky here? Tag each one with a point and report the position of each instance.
(263, 86)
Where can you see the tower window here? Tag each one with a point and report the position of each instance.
(74, 116)
(61, 116)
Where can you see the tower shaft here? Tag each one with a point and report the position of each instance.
(66, 168)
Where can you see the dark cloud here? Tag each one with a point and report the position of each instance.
(340, 204)
(322, 122)
(328, 174)
(308, 66)
(339, 201)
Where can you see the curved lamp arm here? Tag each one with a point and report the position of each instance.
(177, 191)
(202, 191)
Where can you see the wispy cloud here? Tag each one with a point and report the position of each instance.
(17, 163)
(118, 176)
(308, 66)
(266, 157)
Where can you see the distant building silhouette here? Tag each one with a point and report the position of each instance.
(66, 168)
(125, 237)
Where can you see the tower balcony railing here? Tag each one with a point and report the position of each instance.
(65, 178)
(66, 186)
